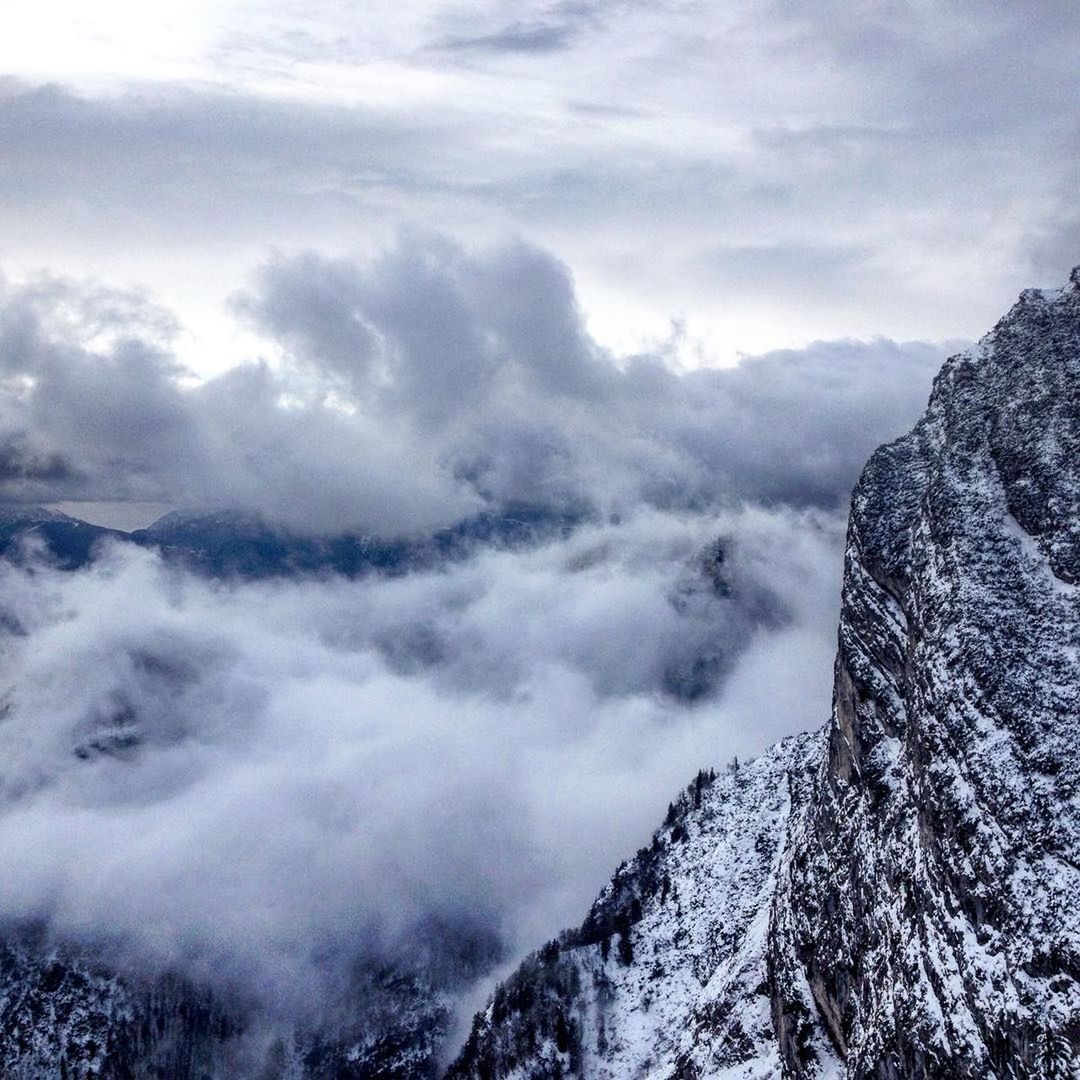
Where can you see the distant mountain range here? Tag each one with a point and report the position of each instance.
(233, 544)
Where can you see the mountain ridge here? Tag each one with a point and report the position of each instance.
(232, 544)
(923, 919)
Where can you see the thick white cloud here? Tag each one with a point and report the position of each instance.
(239, 782)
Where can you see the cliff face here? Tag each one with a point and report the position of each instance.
(912, 907)
(933, 887)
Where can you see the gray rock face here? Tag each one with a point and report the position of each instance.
(912, 908)
(933, 888)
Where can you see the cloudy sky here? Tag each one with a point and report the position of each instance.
(675, 267)
(745, 175)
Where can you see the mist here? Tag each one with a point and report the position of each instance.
(238, 782)
(261, 785)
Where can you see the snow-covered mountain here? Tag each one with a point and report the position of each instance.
(898, 896)
(670, 965)
(236, 545)
(33, 532)
(895, 896)
(66, 1012)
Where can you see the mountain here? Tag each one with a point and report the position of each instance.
(898, 896)
(66, 1012)
(228, 543)
(232, 544)
(669, 966)
(32, 531)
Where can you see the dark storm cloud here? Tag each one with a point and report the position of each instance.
(415, 386)
(17, 464)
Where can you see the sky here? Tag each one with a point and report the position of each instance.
(676, 268)
(744, 176)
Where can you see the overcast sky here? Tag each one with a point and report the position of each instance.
(763, 173)
(676, 267)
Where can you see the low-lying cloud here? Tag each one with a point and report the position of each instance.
(258, 783)
(238, 782)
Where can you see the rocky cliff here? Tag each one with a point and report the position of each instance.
(900, 896)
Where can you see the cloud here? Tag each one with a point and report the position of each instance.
(258, 784)
(486, 353)
(928, 155)
(526, 37)
(238, 783)
(551, 28)
(404, 392)
(95, 415)
(18, 464)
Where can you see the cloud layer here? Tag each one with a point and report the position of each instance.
(241, 782)
(774, 173)
(404, 392)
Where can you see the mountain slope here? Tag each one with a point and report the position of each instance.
(670, 962)
(230, 544)
(934, 888)
(32, 532)
(65, 1011)
(921, 912)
